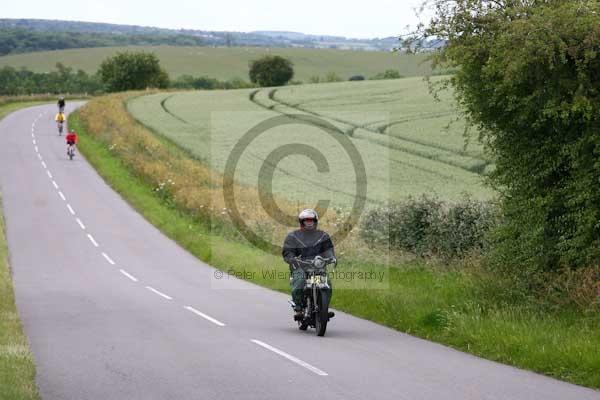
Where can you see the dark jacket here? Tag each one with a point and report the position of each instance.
(308, 244)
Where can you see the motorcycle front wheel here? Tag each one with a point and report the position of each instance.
(322, 315)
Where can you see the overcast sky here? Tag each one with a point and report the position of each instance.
(361, 19)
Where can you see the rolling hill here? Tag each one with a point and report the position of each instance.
(230, 62)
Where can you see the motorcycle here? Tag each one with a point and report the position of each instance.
(315, 313)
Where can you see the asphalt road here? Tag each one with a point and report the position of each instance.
(115, 310)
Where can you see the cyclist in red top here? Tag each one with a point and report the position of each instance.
(71, 142)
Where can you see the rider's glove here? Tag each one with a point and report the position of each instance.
(293, 264)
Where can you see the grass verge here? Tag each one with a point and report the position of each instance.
(444, 306)
(17, 369)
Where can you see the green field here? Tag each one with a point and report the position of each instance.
(403, 144)
(226, 63)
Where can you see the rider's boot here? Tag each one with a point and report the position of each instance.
(331, 314)
(298, 314)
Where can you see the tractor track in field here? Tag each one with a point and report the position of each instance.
(383, 128)
(163, 105)
(408, 164)
(477, 169)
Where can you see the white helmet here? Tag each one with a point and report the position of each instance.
(308, 214)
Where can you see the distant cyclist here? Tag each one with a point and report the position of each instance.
(71, 142)
(60, 121)
(61, 104)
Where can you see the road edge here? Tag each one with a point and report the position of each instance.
(17, 366)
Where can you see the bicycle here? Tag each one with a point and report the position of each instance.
(71, 151)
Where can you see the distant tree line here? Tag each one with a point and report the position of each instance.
(18, 40)
(140, 70)
(208, 83)
(334, 77)
(22, 81)
(124, 71)
(209, 38)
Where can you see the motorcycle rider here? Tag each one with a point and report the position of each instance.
(306, 243)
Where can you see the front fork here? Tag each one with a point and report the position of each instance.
(315, 294)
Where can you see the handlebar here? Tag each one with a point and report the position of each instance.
(317, 262)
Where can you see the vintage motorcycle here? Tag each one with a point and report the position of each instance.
(317, 291)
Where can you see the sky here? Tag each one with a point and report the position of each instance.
(357, 19)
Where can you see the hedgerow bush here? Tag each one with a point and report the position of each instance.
(527, 77)
(430, 227)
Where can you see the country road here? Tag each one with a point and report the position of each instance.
(114, 309)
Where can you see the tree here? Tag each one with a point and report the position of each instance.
(271, 71)
(528, 77)
(132, 71)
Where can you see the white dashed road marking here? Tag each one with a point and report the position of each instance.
(62, 196)
(71, 209)
(80, 223)
(161, 294)
(201, 314)
(107, 258)
(290, 357)
(133, 278)
(92, 240)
